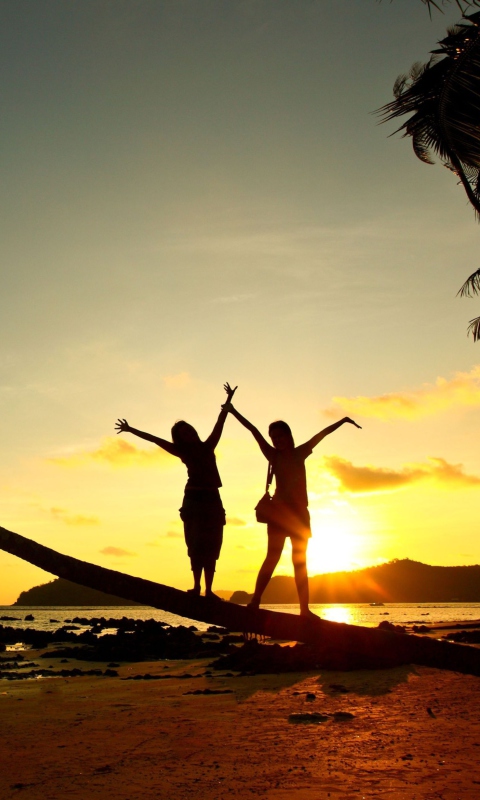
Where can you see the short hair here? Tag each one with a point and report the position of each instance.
(284, 427)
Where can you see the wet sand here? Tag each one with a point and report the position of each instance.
(414, 735)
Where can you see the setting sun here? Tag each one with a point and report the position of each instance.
(336, 542)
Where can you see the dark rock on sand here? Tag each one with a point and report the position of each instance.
(339, 687)
(309, 719)
(216, 629)
(466, 637)
(134, 640)
(389, 626)
(272, 658)
(210, 691)
(50, 673)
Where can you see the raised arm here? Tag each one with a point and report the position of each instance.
(122, 426)
(330, 429)
(264, 446)
(215, 435)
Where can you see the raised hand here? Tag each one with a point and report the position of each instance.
(230, 392)
(352, 422)
(122, 426)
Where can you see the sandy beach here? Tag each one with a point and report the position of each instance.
(406, 733)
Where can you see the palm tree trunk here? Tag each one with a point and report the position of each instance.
(352, 642)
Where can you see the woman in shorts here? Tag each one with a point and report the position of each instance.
(202, 511)
(290, 515)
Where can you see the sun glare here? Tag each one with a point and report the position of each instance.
(338, 614)
(336, 542)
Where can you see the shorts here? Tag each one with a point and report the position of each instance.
(292, 523)
(203, 519)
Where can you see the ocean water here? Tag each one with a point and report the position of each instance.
(53, 617)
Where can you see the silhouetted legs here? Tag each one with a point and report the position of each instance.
(299, 559)
(274, 551)
(209, 575)
(203, 520)
(197, 578)
(276, 542)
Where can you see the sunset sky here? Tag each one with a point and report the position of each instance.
(198, 191)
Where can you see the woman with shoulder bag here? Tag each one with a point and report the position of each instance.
(286, 513)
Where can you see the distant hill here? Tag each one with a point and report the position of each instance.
(399, 581)
(60, 592)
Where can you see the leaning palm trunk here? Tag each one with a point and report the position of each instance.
(443, 99)
(335, 643)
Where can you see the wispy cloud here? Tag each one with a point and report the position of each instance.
(118, 552)
(461, 390)
(62, 515)
(379, 479)
(115, 452)
(176, 381)
(236, 522)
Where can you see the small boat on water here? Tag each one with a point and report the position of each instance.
(376, 605)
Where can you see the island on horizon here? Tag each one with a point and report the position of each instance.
(398, 581)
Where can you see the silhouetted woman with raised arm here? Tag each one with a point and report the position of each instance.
(202, 511)
(289, 503)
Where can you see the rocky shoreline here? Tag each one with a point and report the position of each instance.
(114, 641)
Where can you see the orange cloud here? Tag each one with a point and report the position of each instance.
(119, 552)
(236, 521)
(176, 381)
(378, 479)
(462, 390)
(115, 452)
(73, 519)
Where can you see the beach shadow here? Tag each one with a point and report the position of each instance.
(249, 685)
(365, 682)
(333, 683)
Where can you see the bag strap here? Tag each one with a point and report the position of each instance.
(269, 476)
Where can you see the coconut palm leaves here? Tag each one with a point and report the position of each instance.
(443, 100)
(462, 4)
(470, 288)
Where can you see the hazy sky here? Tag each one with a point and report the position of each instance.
(196, 191)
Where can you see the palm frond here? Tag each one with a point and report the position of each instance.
(461, 4)
(474, 329)
(442, 99)
(471, 285)
(399, 85)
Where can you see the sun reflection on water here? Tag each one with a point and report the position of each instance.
(338, 614)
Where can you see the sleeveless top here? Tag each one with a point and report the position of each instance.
(199, 458)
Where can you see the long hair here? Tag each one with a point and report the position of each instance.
(280, 425)
(180, 424)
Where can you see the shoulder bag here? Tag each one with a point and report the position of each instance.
(264, 507)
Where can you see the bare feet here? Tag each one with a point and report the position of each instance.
(253, 605)
(212, 596)
(307, 614)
